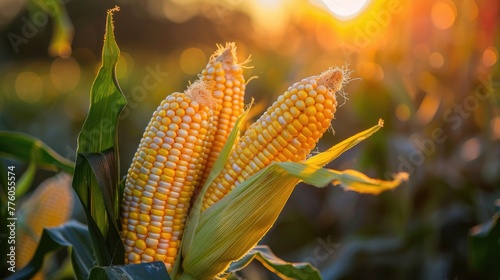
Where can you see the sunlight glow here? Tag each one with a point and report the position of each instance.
(262, 10)
(270, 4)
(346, 9)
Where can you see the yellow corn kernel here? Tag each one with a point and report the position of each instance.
(49, 206)
(226, 74)
(287, 131)
(166, 159)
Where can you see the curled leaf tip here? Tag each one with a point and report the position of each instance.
(110, 21)
(381, 122)
(113, 10)
(353, 180)
(401, 176)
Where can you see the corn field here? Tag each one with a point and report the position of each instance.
(249, 140)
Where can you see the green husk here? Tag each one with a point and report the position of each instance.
(227, 230)
(282, 268)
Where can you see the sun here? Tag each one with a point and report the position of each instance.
(345, 10)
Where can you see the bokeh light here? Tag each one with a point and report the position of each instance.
(469, 9)
(471, 149)
(436, 60)
(192, 60)
(490, 56)
(443, 14)
(402, 112)
(65, 74)
(29, 87)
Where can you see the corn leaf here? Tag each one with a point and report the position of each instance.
(327, 156)
(284, 269)
(24, 182)
(348, 179)
(73, 235)
(152, 270)
(230, 228)
(105, 171)
(20, 146)
(96, 173)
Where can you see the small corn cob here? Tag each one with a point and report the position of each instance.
(49, 206)
(224, 72)
(287, 131)
(163, 175)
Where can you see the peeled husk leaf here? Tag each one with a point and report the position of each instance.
(282, 268)
(227, 230)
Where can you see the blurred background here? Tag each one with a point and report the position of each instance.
(428, 68)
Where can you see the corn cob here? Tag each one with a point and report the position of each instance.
(163, 174)
(226, 74)
(49, 206)
(287, 131)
